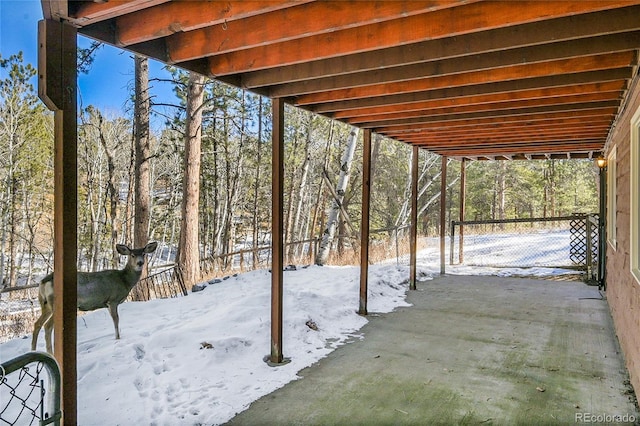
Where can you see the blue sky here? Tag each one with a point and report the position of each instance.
(106, 85)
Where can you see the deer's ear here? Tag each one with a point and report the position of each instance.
(151, 247)
(122, 249)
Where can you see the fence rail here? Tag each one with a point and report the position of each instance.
(26, 397)
(255, 257)
(165, 284)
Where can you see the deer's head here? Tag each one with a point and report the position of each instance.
(136, 256)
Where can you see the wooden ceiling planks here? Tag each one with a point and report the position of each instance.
(468, 78)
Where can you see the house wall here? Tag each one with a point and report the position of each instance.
(623, 290)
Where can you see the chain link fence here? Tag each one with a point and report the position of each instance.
(559, 242)
(30, 390)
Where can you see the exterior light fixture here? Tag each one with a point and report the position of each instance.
(601, 162)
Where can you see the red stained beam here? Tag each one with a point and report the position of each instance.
(304, 20)
(442, 23)
(509, 73)
(184, 17)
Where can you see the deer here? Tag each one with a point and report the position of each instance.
(101, 289)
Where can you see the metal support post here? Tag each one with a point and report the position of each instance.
(277, 183)
(413, 239)
(364, 230)
(443, 212)
(463, 190)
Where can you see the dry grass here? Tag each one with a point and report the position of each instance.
(19, 309)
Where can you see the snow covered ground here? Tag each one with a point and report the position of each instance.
(199, 359)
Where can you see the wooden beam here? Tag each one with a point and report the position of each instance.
(511, 129)
(521, 151)
(413, 237)
(534, 124)
(513, 139)
(619, 75)
(57, 88)
(364, 230)
(503, 133)
(481, 77)
(277, 231)
(515, 105)
(186, 17)
(514, 145)
(611, 87)
(55, 9)
(438, 24)
(84, 12)
(418, 126)
(504, 114)
(260, 30)
(572, 49)
(530, 34)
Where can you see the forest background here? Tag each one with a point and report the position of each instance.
(137, 182)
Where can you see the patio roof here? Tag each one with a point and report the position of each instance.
(465, 79)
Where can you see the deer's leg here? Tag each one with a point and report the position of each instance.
(44, 316)
(48, 327)
(113, 310)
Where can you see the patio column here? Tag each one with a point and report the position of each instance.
(463, 190)
(443, 212)
(277, 183)
(413, 237)
(602, 227)
(364, 229)
(57, 84)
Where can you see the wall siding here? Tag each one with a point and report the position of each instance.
(623, 291)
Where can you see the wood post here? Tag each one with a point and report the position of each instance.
(364, 230)
(443, 213)
(57, 82)
(413, 238)
(277, 202)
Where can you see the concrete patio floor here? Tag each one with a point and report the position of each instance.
(471, 350)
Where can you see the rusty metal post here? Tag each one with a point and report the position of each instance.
(413, 238)
(277, 202)
(57, 56)
(443, 212)
(364, 229)
(463, 190)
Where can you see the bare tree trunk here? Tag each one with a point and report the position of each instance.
(345, 167)
(319, 205)
(288, 234)
(129, 209)
(13, 240)
(257, 185)
(216, 199)
(112, 193)
(142, 179)
(188, 248)
(296, 229)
